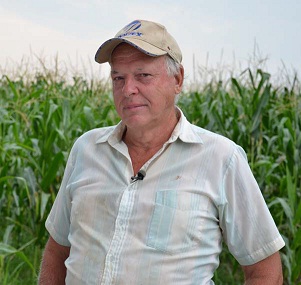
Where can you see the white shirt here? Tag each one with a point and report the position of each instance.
(167, 228)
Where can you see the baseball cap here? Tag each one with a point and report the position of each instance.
(149, 37)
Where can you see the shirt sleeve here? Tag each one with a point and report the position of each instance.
(247, 225)
(58, 220)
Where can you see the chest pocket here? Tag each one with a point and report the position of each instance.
(177, 221)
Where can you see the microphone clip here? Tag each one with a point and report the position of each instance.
(139, 176)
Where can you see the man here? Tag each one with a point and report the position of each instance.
(150, 200)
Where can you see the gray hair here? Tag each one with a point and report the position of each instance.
(172, 67)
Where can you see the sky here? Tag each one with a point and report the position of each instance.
(224, 34)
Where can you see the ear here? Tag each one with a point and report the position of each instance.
(179, 78)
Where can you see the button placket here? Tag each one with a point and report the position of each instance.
(119, 237)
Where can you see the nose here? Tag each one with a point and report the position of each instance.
(129, 88)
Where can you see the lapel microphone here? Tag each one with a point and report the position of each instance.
(139, 176)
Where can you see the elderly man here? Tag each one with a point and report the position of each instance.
(150, 200)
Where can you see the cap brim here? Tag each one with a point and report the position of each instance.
(104, 52)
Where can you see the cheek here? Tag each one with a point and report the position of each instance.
(117, 103)
(117, 85)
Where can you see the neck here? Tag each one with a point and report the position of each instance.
(148, 138)
(144, 143)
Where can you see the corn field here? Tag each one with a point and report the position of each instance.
(40, 119)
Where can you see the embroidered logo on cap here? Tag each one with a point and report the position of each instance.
(129, 30)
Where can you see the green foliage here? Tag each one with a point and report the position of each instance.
(266, 122)
(40, 120)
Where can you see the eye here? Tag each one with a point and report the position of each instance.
(117, 78)
(143, 75)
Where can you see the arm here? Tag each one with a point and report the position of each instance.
(267, 271)
(53, 270)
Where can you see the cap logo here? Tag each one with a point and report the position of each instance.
(132, 26)
(129, 30)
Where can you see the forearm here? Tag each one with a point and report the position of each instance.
(265, 272)
(51, 272)
(53, 269)
(264, 281)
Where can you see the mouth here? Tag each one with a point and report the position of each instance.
(134, 107)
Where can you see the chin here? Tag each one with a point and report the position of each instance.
(135, 122)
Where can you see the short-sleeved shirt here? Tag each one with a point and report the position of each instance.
(168, 228)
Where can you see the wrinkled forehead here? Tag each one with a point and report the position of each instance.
(125, 51)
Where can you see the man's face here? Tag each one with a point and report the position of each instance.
(144, 94)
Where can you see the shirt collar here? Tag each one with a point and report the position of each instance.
(184, 131)
(112, 134)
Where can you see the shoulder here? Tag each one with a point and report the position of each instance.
(90, 139)
(96, 135)
(215, 142)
